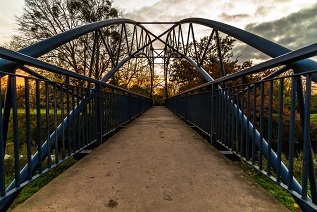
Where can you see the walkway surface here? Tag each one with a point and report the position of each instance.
(157, 163)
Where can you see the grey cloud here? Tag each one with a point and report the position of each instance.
(172, 10)
(263, 11)
(228, 6)
(245, 52)
(293, 31)
(226, 17)
(166, 10)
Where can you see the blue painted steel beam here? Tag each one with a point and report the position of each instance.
(49, 44)
(281, 60)
(308, 51)
(267, 47)
(49, 144)
(25, 59)
(273, 50)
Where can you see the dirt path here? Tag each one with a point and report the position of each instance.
(157, 163)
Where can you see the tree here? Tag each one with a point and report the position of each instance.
(184, 74)
(45, 18)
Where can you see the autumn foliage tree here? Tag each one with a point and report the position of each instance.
(181, 72)
(45, 18)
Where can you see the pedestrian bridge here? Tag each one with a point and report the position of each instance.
(51, 113)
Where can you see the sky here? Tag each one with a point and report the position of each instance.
(291, 23)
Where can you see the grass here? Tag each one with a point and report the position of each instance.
(21, 111)
(43, 111)
(275, 190)
(313, 117)
(40, 182)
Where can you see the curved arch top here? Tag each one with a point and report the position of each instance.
(265, 46)
(140, 44)
(42, 47)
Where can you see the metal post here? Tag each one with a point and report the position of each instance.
(98, 113)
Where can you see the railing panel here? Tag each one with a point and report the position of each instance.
(265, 123)
(51, 122)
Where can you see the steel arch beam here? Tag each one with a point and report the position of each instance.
(42, 47)
(28, 55)
(267, 47)
(270, 48)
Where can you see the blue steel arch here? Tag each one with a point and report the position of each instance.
(295, 60)
(28, 55)
(263, 45)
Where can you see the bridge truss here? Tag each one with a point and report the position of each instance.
(74, 111)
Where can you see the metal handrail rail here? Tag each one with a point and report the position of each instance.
(290, 57)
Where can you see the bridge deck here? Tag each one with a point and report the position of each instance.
(157, 163)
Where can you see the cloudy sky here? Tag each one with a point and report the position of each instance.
(291, 23)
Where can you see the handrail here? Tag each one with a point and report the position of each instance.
(231, 108)
(93, 96)
(25, 59)
(290, 57)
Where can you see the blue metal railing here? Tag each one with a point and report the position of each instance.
(53, 121)
(44, 122)
(266, 123)
(70, 118)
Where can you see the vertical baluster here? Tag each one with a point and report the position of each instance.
(98, 113)
(222, 117)
(248, 121)
(89, 125)
(78, 122)
(280, 129)
(306, 137)
(254, 124)
(74, 121)
(2, 148)
(28, 125)
(269, 138)
(55, 124)
(232, 111)
(106, 112)
(83, 114)
(86, 116)
(218, 96)
(212, 114)
(68, 112)
(242, 122)
(227, 102)
(62, 120)
(15, 132)
(39, 126)
(292, 132)
(47, 98)
(261, 126)
(236, 147)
